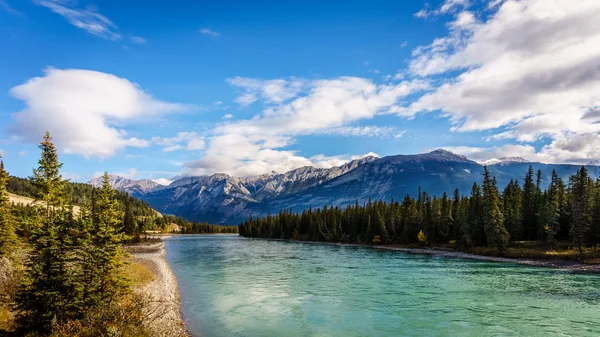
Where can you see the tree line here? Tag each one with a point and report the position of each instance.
(64, 269)
(486, 217)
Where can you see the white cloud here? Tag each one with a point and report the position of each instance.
(228, 116)
(253, 146)
(3, 153)
(9, 9)
(578, 149)
(364, 131)
(138, 40)
(22, 153)
(272, 91)
(163, 181)
(87, 19)
(190, 141)
(404, 44)
(208, 31)
(529, 67)
(447, 7)
(80, 109)
(218, 103)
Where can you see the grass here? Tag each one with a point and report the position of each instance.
(6, 319)
(139, 273)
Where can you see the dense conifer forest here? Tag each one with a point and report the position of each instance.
(486, 217)
(62, 272)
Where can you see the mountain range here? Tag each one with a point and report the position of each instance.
(225, 199)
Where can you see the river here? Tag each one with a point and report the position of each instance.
(233, 286)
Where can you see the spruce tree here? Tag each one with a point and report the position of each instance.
(529, 206)
(50, 291)
(8, 238)
(580, 207)
(552, 210)
(106, 283)
(497, 236)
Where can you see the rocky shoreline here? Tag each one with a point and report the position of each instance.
(164, 311)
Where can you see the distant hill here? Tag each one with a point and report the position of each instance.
(221, 198)
(23, 192)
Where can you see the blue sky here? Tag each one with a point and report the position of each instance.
(159, 89)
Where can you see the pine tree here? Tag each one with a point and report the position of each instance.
(552, 210)
(497, 236)
(50, 291)
(105, 283)
(580, 206)
(8, 238)
(129, 225)
(595, 225)
(383, 233)
(529, 206)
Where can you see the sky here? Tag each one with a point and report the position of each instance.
(160, 89)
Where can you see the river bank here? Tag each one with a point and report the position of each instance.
(164, 310)
(568, 265)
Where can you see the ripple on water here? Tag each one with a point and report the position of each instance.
(232, 286)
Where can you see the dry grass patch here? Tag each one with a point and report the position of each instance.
(139, 273)
(6, 319)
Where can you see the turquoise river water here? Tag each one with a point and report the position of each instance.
(232, 286)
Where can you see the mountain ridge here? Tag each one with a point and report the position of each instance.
(226, 199)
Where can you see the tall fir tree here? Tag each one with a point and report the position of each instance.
(580, 207)
(8, 237)
(50, 291)
(529, 206)
(497, 236)
(105, 281)
(552, 210)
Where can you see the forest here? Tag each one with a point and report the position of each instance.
(564, 214)
(64, 272)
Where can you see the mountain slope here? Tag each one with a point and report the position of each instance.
(133, 187)
(221, 198)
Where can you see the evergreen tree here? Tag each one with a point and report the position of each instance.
(50, 292)
(383, 233)
(129, 225)
(529, 206)
(552, 210)
(512, 210)
(580, 206)
(105, 282)
(497, 236)
(8, 237)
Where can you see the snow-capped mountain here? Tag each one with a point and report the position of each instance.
(133, 187)
(221, 198)
(594, 162)
(504, 161)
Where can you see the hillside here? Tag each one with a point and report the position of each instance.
(23, 192)
(225, 199)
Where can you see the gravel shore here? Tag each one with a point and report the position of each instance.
(559, 264)
(568, 265)
(164, 312)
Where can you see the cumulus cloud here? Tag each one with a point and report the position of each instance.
(190, 141)
(80, 108)
(295, 108)
(364, 131)
(448, 6)
(87, 19)
(208, 31)
(530, 67)
(271, 91)
(228, 116)
(163, 181)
